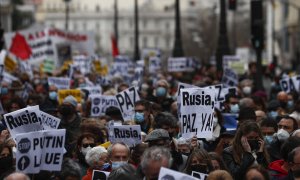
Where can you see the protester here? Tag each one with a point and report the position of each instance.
(248, 148)
(125, 172)
(97, 159)
(153, 159)
(70, 170)
(143, 115)
(17, 176)
(118, 155)
(6, 160)
(199, 161)
(136, 154)
(217, 161)
(294, 161)
(219, 174)
(256, 172)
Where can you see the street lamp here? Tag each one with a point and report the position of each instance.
(67, 14)
(136, 31)
(223, 47)
(177, 50)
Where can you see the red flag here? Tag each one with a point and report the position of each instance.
(20, 47)
(115, 49)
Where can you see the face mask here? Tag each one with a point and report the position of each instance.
(247, 90)
(85, 150)
(116, 164)
(234, 108)
(6, 162)
(268, 139)
(290, 104)
(53, 95)
(282, 135)
(161, 91)
(215, 121)
(254, 145)
(187, 154)
(273, 114)
(283, 104)
(199, 168)
(139, 117)
(4, 91)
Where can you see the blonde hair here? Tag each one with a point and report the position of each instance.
(219, 175)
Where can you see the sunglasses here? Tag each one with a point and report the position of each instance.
(87, 145)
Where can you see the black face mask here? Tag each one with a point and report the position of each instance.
(253, 144)
(296, 173)
(187, 154)
(6, 163)
(200, 168)
(66, 110)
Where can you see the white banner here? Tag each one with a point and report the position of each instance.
(121, 65)
(83, 63)
(289, 84)
(154, 64)
(197, 112)
(101, 103)
(168, 174)
(126, 100)
(49, 122)
(230, 78)
(93, 89)
(59, 82)
(180, 64)
(23, 120)
(45, 43)
(128, 134)
(41, 150)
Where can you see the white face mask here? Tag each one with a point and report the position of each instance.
(215, 121)
(282, 135)
(247, 90)
(85, 150)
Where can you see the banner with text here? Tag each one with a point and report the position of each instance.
(168, 174)
(49, 122)
(197, 112)
(128, 134)
(59, 82)
(126, 100)
(289, 84)
(41, 150)
(100, 103)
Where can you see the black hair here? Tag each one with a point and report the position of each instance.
(290, 144)
(269, 123)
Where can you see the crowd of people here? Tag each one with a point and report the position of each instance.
(264, 145)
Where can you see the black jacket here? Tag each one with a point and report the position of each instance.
(238, 170)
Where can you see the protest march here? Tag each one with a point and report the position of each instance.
(68, 112)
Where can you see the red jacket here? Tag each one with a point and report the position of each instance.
(275, 169)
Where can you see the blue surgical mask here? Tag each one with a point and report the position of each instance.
(234, 108)
(273, 114)
(139, 117)
(290, 104)
(268, 139)
(4, 90)
(161, 92)
(116, 164)
(53, 95)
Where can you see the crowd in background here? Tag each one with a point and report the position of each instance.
(265, 144)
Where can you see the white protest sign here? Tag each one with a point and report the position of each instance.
(168, 174)
(199, 175)
(179, 87)
(59, 82)
(154, 64)
(83, 62)
(100, 103)
(121, 65)
(23, 120)
(150, 52)
(2, 56)
(128, 134)
(197, 112)
(180, 64)
(49, 122)
(221, 91)
(93, 89)
(41, 150)
(229, 78)
(100, 175)
(289, 84)
(126, 100)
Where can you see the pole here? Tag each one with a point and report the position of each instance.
(67, 14)
(136, 31)
(223, 46)
(116, 18)
(258, 83)
(177, 50)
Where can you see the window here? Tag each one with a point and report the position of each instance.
(145, 42)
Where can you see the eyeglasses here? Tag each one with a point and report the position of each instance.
(87, 145)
